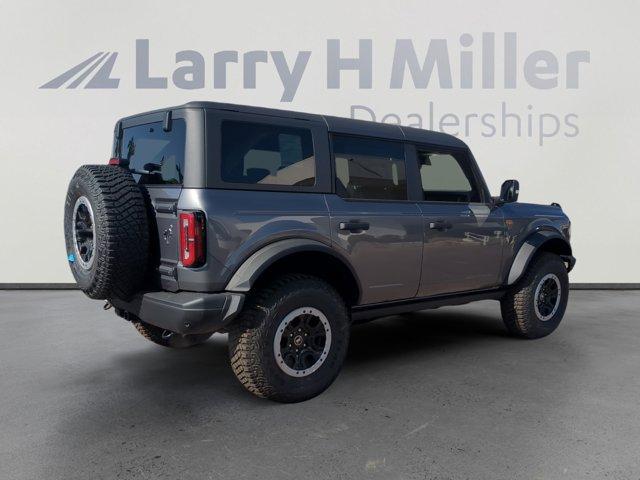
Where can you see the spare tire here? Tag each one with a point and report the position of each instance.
(106, 231)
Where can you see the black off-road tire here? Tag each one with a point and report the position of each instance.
(169, 339)
(518, 305)
(251, 340)
(121, 239)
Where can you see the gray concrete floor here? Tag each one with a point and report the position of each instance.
(434, 395)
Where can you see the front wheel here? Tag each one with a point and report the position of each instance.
(534, 307)
(291, 339)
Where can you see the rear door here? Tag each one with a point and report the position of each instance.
(155, 152)
(463, 235)
(372, 220)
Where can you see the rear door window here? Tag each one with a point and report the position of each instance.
(155, 157)
(263, 154)
(368, 168)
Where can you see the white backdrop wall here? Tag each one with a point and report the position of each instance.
(588, 162)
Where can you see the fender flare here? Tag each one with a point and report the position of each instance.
(529, 247)
(249, 271)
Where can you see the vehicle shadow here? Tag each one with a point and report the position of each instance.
(207, 366)
(201, 375)
(426, 332)
(144, 399)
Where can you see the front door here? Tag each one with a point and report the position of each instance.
(372, 222)
(463, 236)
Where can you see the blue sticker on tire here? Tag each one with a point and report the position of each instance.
(71, 257)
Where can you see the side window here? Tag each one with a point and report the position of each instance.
(369, 168)
(446, 177)
(262, 154)
(155, 157)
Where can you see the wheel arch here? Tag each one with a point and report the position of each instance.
(299, 256)
(540, 241)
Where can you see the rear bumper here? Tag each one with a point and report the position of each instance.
(182, 312)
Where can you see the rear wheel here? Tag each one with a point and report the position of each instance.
(534, 307)
(167, 338)
(291, 339)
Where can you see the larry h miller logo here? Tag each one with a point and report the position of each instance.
(428, 67)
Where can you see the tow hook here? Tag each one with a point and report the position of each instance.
(107, 305)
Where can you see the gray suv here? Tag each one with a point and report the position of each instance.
(284, 228)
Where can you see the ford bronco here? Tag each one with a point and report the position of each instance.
(284, 228)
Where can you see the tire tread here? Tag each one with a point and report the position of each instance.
(123, 230)
(250, 333)
(517, 306)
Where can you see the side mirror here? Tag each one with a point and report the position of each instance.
(509, 191)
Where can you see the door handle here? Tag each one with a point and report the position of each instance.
(353, 226)
(440, 225)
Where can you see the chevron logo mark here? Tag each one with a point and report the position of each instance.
(101, 63)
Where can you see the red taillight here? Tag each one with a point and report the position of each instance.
(192, 246)
(119, 162)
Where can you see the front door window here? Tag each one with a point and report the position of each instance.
(446, 178)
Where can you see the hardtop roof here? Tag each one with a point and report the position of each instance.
(334, 124)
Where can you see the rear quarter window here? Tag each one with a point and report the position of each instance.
(263, 155)
(155, 157)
